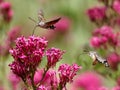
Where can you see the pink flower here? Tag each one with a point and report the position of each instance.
(87, 81)
(63, 25)
(53, 56)
(13, 33)
(29, 50)
(104, 35)
(19, 69)
(103, 88)
(27, 55)
(97, 13)
(95, 42)
(14, 80)
(38, 76)
(116, 88)
(67, 72)
(114, 60)
(6, 11)
(50, 79)
(116, 6)
(1, 1)
(41, 87)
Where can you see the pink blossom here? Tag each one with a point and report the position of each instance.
(50, 79)
(63, 25)
(103, 88)
(87, 81)
(95, 42)
(114, 60)
(53, 56)
(13, 33)
(14, 80)
(29, 50)
(116, 88)
(41, 87)
(38, 76)
(116, 6)
(19, 69)
(97, 13)
(1, 1)
(27, 55)
(6, 11)
(104, 35)
(67, 72)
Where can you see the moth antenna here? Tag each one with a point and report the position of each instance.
(32, 19)
(34, 30)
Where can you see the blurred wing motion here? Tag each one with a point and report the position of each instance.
(40, 15)
(96, 58)
(50, 24)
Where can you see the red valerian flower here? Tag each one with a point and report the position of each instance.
(29, 50)
(6, 11)
(67, 72)
(114, 60)
(104, 35)
(97, 13)
(19, 69)
(53, 56)
(87, 81)
(27, 55)
(41, 87)
(116, 6)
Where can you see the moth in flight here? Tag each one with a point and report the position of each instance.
(96, 58)
(43, 23)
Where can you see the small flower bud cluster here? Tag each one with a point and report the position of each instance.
(5, 11)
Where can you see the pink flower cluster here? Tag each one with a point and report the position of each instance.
(97, 13)
(116, 6)
(87, 81)
(103, 36)
(53, 56)
(114, 60)
(67, 72)
(5, 11)
(29, 53)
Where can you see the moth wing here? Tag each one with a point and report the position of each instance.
(52, 22)
(95, 62)
(40, 15)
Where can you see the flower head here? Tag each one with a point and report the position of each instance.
(84, 81)
(53, 56)
(67, 72)
(41, 87)
(114, 60)
(104, 35)
(97, 13)
(27, 55)
(6, 11)
(116, 6)
(29, 50)
(63, 25)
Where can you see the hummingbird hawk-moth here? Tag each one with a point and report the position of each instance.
(43, 23)
(97, 58)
